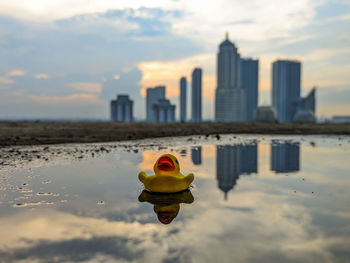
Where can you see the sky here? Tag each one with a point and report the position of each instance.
(69, 58)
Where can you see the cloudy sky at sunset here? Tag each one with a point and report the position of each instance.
(69, 58)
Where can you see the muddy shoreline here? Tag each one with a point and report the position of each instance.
(38, 133)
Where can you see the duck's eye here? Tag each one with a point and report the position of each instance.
(176, 161)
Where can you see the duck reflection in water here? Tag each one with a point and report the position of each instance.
(166, 206)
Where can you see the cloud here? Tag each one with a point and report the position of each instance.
(56, 9)
(252, 20)
(168, 73)
(85, 51)
(262, 25)
(59, 100)
(6, 80)
(87, 87)
(16, 72)
(41, 76)
(19, 104)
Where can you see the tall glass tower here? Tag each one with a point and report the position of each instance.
(183, 99)
(249, 82)
(285, 88)
(229, 96)
(153, 95)
(197, 95)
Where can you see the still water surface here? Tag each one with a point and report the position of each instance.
(254, 199)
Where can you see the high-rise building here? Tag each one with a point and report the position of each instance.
(249, 83)
(285, 88)
(305, 108)
(284, 157)
(163, 111)
(309, 102)
(153, 95)
(229, 96)
(183, 99)
(197, 95)
(122, 109)
(196, 155)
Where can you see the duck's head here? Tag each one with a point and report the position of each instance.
(166, 214)
(167, 164)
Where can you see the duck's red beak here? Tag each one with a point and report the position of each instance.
(165, 164)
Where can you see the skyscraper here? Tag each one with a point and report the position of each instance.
(284, 157)
(122, 109)
(249, 82)
(153, 95)
(197, 95)
(229, 97)
(285, 88)
(183, 99)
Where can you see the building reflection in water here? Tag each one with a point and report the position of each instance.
(232, 161)
(285, 157)
(183, 152)
(248, 159)
(196, 155)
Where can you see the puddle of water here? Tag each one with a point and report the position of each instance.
(254, 199)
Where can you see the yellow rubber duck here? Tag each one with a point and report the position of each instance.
(167, 177)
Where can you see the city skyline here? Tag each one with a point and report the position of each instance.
(60, 61)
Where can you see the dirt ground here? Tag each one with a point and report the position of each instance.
(36, 133)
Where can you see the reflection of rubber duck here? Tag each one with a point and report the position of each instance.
(167, 177)
(166, 206)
